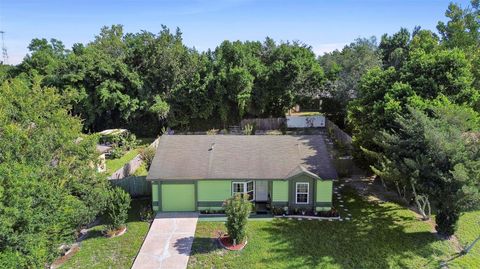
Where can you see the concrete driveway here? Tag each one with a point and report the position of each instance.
(169, 241)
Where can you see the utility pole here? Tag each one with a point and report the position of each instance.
(4, 49)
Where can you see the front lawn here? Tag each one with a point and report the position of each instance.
(379, 235)
(99, 252)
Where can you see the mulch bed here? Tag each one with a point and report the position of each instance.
(227, 243)
(119, 232)
(61, 260)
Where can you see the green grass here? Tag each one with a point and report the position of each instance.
(380, 235)
(141, 171)
(98, 251)
(468, 230)
(115, 164)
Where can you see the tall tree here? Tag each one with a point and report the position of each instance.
(383, 93)
(49, 186)
(462, 30)
(395, 48)
(435, 153)
(344, 70)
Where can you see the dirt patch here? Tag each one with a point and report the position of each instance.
(58, 262)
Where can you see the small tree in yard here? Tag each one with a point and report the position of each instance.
(117, 208)
(237, 209)
(437, 152)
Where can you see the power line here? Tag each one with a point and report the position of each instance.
(4, 49)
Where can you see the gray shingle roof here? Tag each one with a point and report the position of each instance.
(190, 157)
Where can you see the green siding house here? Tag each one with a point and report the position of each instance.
(199, 172)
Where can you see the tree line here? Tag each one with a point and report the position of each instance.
(121, 79)
(415, 118)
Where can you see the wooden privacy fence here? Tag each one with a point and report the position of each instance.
(265, 123)
(338, 133)
(135, 186)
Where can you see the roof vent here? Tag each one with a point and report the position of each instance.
(211, 147)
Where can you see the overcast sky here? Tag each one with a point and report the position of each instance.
(324, 25)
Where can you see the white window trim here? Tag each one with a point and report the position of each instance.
(245, 189)
(307, 193)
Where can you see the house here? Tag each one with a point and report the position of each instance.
(199, 172)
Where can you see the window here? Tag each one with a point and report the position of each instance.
(237, 187)
(250, 190)
(244, 188)
(301, 192)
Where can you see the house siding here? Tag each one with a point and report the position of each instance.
(155, 196)
(311, 192)
(212, 193)
(279, 193)
(324, 195)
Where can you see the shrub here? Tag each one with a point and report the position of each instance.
(116, 153)
(278, 210)
(446, 222)
(146, 213)
(147, 154)
(237, 209)
(212, 132)
(248, 129)
(117, 208)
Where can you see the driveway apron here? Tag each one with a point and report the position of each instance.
(169, 241)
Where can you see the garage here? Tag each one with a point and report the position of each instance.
(177, 197)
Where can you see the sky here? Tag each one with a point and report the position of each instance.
(325, 25)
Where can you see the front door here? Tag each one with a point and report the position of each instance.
(261, 190)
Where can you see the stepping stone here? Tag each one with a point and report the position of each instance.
(290, 218)
(299, 218)
(341, 205)
(345, 209)
(347, 218)
(340, 219)
(349, 214)
(309, 218)
(330, 219)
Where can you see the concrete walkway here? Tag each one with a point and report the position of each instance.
(169, 241)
